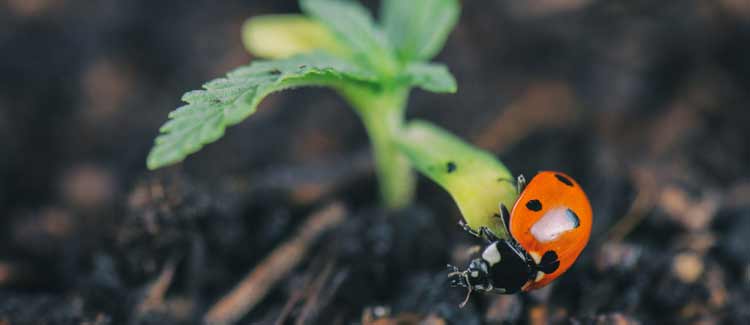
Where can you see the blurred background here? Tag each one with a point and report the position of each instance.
(643, 102)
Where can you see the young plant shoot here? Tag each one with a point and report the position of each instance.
(374, 65)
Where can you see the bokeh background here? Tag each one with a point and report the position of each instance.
(643, 102)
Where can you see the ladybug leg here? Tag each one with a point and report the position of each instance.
(483, 233)
(520, 183)
(488, 235)
(498, 291)
(504, 217)
(468, 229)
(458, 278)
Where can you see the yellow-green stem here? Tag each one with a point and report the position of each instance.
(382, 113)
(476, 180)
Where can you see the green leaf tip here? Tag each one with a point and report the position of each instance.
(476, 180)
(353, 25)
(227, 101)
(418, 29)
(431, 77)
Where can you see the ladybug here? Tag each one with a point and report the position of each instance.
(549, 226)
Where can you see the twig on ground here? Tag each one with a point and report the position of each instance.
(153, 298)
(274, 267)
(298, 294)
(313, 297)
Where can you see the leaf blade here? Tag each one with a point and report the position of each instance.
(419, 29)
(354, 26)
(432, 77)
(227, 101)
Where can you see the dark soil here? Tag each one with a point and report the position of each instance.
(643, 102)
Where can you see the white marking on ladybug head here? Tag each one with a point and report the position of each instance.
(491, 254)
(553, 224)
(539, 276)
(474, 274)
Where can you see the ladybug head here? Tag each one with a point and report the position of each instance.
(475, 277)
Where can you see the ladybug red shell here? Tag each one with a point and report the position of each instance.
(551, 216)
(549, 226)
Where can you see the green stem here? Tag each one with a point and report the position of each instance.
(382, 113)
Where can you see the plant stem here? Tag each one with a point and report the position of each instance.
(382, 113)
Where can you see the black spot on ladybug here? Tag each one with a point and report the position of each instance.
(534, 205)
(450, 167)
(564, 179)
(573, 217)
(549, 262)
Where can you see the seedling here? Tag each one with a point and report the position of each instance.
(373, 65)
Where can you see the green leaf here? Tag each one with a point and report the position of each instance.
(477, 181)
(354, 26)
(418, 28)
(228, 101)
(431, 77)
(282, 36)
